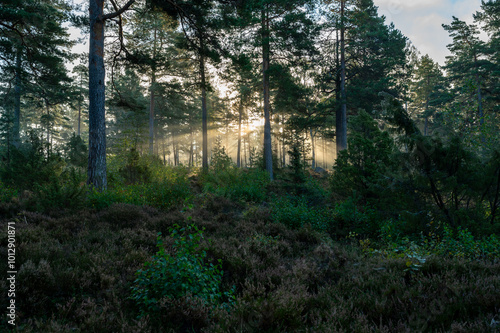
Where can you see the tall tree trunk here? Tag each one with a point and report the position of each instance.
(313, 146)
(151, 114)
(174, 152)
(283, 147)
(16, 136)
(96, 173)
(191, 148)
(152, 98)
(163, 151)
(341, 119)
(79, 125)
(325, 166)
(47, 108)
(240, 115)
(426, 124)
(79, 117)
(245, 150)
(204, 112)
(480, 108)
(268, 153)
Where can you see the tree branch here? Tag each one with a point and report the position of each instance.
(117, 12)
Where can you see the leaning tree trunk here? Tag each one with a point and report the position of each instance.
(268, 153)
(96, 172)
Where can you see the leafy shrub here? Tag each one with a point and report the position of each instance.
(168, 278)
(296, 213)
(351, 217)
(7, 192)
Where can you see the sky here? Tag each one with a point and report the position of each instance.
(421, 20)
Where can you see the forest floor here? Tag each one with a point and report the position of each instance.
(76, 270)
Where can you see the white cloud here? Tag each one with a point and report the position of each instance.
(421, 20)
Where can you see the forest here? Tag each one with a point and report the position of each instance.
(246, 166)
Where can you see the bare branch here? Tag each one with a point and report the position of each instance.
(118, 11)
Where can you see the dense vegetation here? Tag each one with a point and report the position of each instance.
(367, 199)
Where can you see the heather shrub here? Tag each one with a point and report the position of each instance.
(181, 279)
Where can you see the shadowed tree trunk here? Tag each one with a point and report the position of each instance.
(341, 119)
(204, 112)
(268, 153)
(96, 172)
(240, 115)
(97, 125)
(16, 137)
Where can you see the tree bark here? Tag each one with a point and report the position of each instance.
(268, 153)
(341, 119)
(16, 136)
(151, 114)
(313, 146)
(240, 115)
(204, 112)
(152, 98)
(480, 108)
(96, 173)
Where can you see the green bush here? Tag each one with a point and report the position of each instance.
(31, 165)
(185, 273)
(352, 217)
(67, 191)
(7, 192)
(296, 213)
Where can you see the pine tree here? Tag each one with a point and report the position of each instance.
(34, 46)
(428, 78)
(467, 67)
(282, 27)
